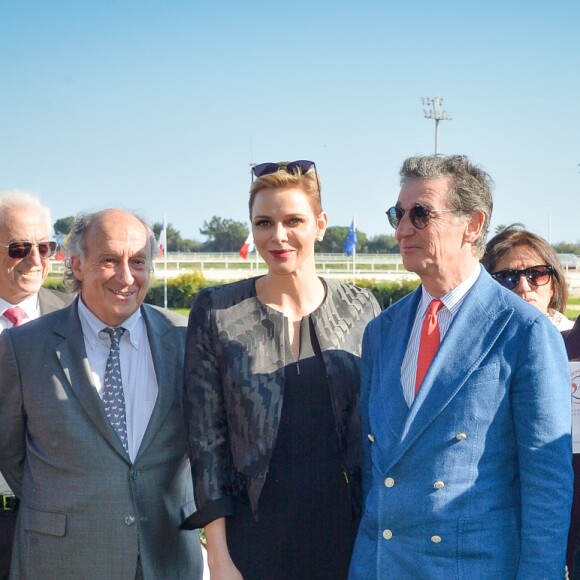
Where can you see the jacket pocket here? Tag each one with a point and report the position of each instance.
(187, 509)
(50, 523)
(485, 374)
(490, 547)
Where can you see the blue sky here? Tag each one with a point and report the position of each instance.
(161, 105)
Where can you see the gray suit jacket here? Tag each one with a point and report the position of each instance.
(86, 511)
(51, 300)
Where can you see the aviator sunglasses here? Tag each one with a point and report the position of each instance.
(535, 275)
(301, 166)
(19, 250)
(418, 214)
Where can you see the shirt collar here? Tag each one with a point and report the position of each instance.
(29, 305)
(453, 299)
(92, 326)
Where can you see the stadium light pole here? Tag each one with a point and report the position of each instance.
(436, 113)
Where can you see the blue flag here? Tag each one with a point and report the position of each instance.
(350, 242)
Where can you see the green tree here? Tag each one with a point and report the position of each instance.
(333, 241)
(362, 243)
(499, 229)
(334, 238)
(175, 243)
(567, 248)
(62, 227)
(223, 235)
(383, 244)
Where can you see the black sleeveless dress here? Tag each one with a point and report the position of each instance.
(305, 527)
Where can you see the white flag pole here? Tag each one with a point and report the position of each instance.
(164, 235)
(354, 251)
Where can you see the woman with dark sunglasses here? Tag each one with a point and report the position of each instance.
(528, 265)
(272, 384)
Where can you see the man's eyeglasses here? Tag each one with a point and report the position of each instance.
(19, 250)
(418, 214)
(535, 275)
(301, 166)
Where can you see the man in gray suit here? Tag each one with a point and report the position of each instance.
(25, 250)
(92, 434)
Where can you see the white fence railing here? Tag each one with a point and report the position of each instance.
(380, 267)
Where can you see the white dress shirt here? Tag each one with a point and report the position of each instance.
(451, 304)
(137, 371)
(29, 305)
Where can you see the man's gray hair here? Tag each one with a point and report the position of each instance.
(16, 199)
(75, 243)
(470, 187)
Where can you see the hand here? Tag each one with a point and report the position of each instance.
(224, 569)
(219, 561)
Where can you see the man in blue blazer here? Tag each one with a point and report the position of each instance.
(470, 476)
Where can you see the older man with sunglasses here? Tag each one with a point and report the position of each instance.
(25, 249)
(465, 403)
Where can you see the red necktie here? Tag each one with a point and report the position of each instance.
(430, 340)
(15, 314)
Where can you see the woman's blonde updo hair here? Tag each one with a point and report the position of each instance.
(308, 182)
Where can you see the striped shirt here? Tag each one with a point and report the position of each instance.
(451, 303)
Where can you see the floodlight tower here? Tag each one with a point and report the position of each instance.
(436, 113)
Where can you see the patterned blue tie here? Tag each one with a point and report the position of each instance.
(113, 396)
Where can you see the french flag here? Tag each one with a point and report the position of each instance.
(248, 246)
(162, 240)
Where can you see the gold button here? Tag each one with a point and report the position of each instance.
(389, 482)
(371, 437)
(439, 484)
(461, 436)
(436, 539)
(387, 534)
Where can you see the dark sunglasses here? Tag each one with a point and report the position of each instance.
(301, 166)
(418, 214)
(536, 276)
(19, 250)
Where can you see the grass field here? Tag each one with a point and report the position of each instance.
(573, 308)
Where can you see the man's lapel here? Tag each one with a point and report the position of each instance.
(473, 332)
(71, 353)
(390, 401)
(387, 407)
(168, 370)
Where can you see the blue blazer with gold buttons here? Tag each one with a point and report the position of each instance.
(475, 479)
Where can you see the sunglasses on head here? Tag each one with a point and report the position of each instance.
(302, 166)
(19, 250)
(535, 275)
(418, 214)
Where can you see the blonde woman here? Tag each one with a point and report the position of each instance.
(272, 386)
